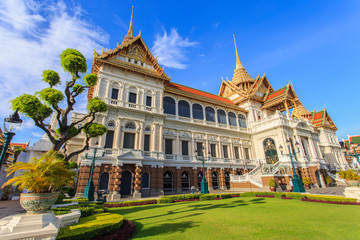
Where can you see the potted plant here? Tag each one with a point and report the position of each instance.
(307, 182)
(328, 180)
(42, 178)
(272, 185)
(351, 177)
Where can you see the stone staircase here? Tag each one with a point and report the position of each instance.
(336, 178)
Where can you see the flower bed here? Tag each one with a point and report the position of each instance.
(268, 196)
(130, 203)
(329, 202)
(125, 232)
(187, 200)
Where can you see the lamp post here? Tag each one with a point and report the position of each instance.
(89, 189)
(298, 186)
(204, 183)
(353, 146)
(11, 125)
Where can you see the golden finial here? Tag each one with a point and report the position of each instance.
(140, 32)
(238, 63)
(117, 44)
(130, 32)
(102, 51)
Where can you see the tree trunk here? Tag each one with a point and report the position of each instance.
(57, 146)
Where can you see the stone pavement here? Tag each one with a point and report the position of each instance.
(336, 191)
(10, 207)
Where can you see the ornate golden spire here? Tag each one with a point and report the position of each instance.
(130, 34)
(238, 62)
(241, 76)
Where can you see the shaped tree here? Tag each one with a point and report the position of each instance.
(40, 106)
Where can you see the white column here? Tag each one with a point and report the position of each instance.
(153, 137)
(231, 150)
(177, 145)
(118, 133)
(192, 145)
(141, 137)
(161, 96)
(103, 137)
(121, 91)
(161, 139)
(108, 89)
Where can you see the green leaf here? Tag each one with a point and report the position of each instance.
(90, 79)
(51, 95)
(31, 106)
(97, 105)
(73, 61)
(51, 77)
(95, 130)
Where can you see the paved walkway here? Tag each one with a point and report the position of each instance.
(336, 191)
(10, 207)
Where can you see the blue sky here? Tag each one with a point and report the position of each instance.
(314, 44)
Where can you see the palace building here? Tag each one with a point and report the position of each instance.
(159, 131)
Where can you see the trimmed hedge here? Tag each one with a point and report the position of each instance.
(130, 203)
(164, 200)
(208, 197)
(92, 226)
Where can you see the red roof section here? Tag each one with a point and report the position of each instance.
(275, 94)
(318, 115)
(23, 145)
(198, 92)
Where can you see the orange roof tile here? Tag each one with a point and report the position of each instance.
(198, 92)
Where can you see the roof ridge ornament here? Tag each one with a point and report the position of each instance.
(238, 62)
(130, 34)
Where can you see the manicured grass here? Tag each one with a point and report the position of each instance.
(244, 218)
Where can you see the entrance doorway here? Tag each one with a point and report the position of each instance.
(126, 182)
(227, 180)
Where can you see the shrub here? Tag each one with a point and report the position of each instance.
(330, 198)
(91, 227)
(130, 203)
(328, 179)
(208, 197)
(99, 210)
(306, 180)
(272, 183)
(60, 198)
(87, 211)
(224, 195)
(164, 200)
(349, 175)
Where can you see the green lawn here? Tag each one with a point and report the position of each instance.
(244, 218)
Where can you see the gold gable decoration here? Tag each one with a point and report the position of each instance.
(137, 52)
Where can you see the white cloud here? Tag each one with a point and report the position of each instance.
(216, 25)
(33, 34)
(170, 49)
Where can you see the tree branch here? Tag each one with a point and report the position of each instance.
(86, 147)
(43, 127)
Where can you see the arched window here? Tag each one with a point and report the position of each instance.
(169, 105)
(221, 116)
(145, 183)
(242, 121)
(227, 180)
(232, 119)
(168, 182)
(184, 108)
(104, 181)
(215, 180)
(130, 125)
(199, 176)
(210, 114)
(185, 181)
(197, 111)
(270, 151)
